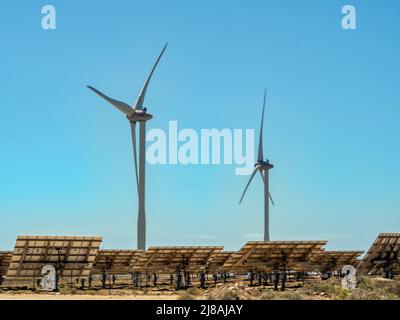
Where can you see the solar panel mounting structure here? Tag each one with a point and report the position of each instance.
(72, 257)
(115, 262)
(5, 259)
(217, 260)
(272, 255)
(383, 257)
(170, 259)
(176, 260)
(330, 261)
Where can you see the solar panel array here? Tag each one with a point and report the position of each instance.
(172, 259)
(79, 256)
(72, 256)
(115, 261)
(384, 253)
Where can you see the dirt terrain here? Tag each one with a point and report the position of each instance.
(367, 289)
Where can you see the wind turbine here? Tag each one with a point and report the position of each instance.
(136, 113)
(263, 166)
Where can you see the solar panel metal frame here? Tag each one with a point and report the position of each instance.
(217, 260)
(334, 260)
(385, 249)
(165, 259)
(268, 255)
(115, 261)
(5, 259)
(71, 256)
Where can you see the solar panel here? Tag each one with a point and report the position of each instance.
(171, 259)
(71, 256)
(5, 259)
(333, 260)
(383, 254)
(115, 261)
(217, 260)
(267, 255)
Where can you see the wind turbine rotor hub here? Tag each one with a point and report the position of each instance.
(140, 116)
(264, 165)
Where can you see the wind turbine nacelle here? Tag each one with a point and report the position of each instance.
(264, 165)
(140, 115)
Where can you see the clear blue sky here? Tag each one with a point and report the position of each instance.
(332, 123)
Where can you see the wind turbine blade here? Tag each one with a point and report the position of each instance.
(140, 100)
(121, 106)
(133, 131)
(272, 201)
(248, 183)
(260, 142)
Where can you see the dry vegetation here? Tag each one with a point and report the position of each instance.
(367, 289)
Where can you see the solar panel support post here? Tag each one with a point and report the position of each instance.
(391, 259)
(334, 264)
(109, 284)
(189, 280)
(186, 276)
(202, 279)
(178, 280)
(58, 269)
(33, 284)
(103, 279)
(56, 284)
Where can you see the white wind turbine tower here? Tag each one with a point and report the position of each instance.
(263, 166)
(134, 114)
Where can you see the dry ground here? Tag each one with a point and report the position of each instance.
(33, 296)
(367, 289)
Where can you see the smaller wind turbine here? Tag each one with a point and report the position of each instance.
(263, 166)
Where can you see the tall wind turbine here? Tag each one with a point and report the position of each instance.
(136, 113)
(263, 166)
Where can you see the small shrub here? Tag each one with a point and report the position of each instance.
(268, 295)
(228, 295)
(291, 295)
(67, 290)
(211, 297)
(285, 295)
(320, 288)
(394, 288)
(89, 292)
(194, 291)
(344, 294)
(186, 296)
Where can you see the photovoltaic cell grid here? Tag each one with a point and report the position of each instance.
(334, 260)
(115, 261)
(71, 256)
(5, 259)
(265, 256)
(384, 252)
(172, 259)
